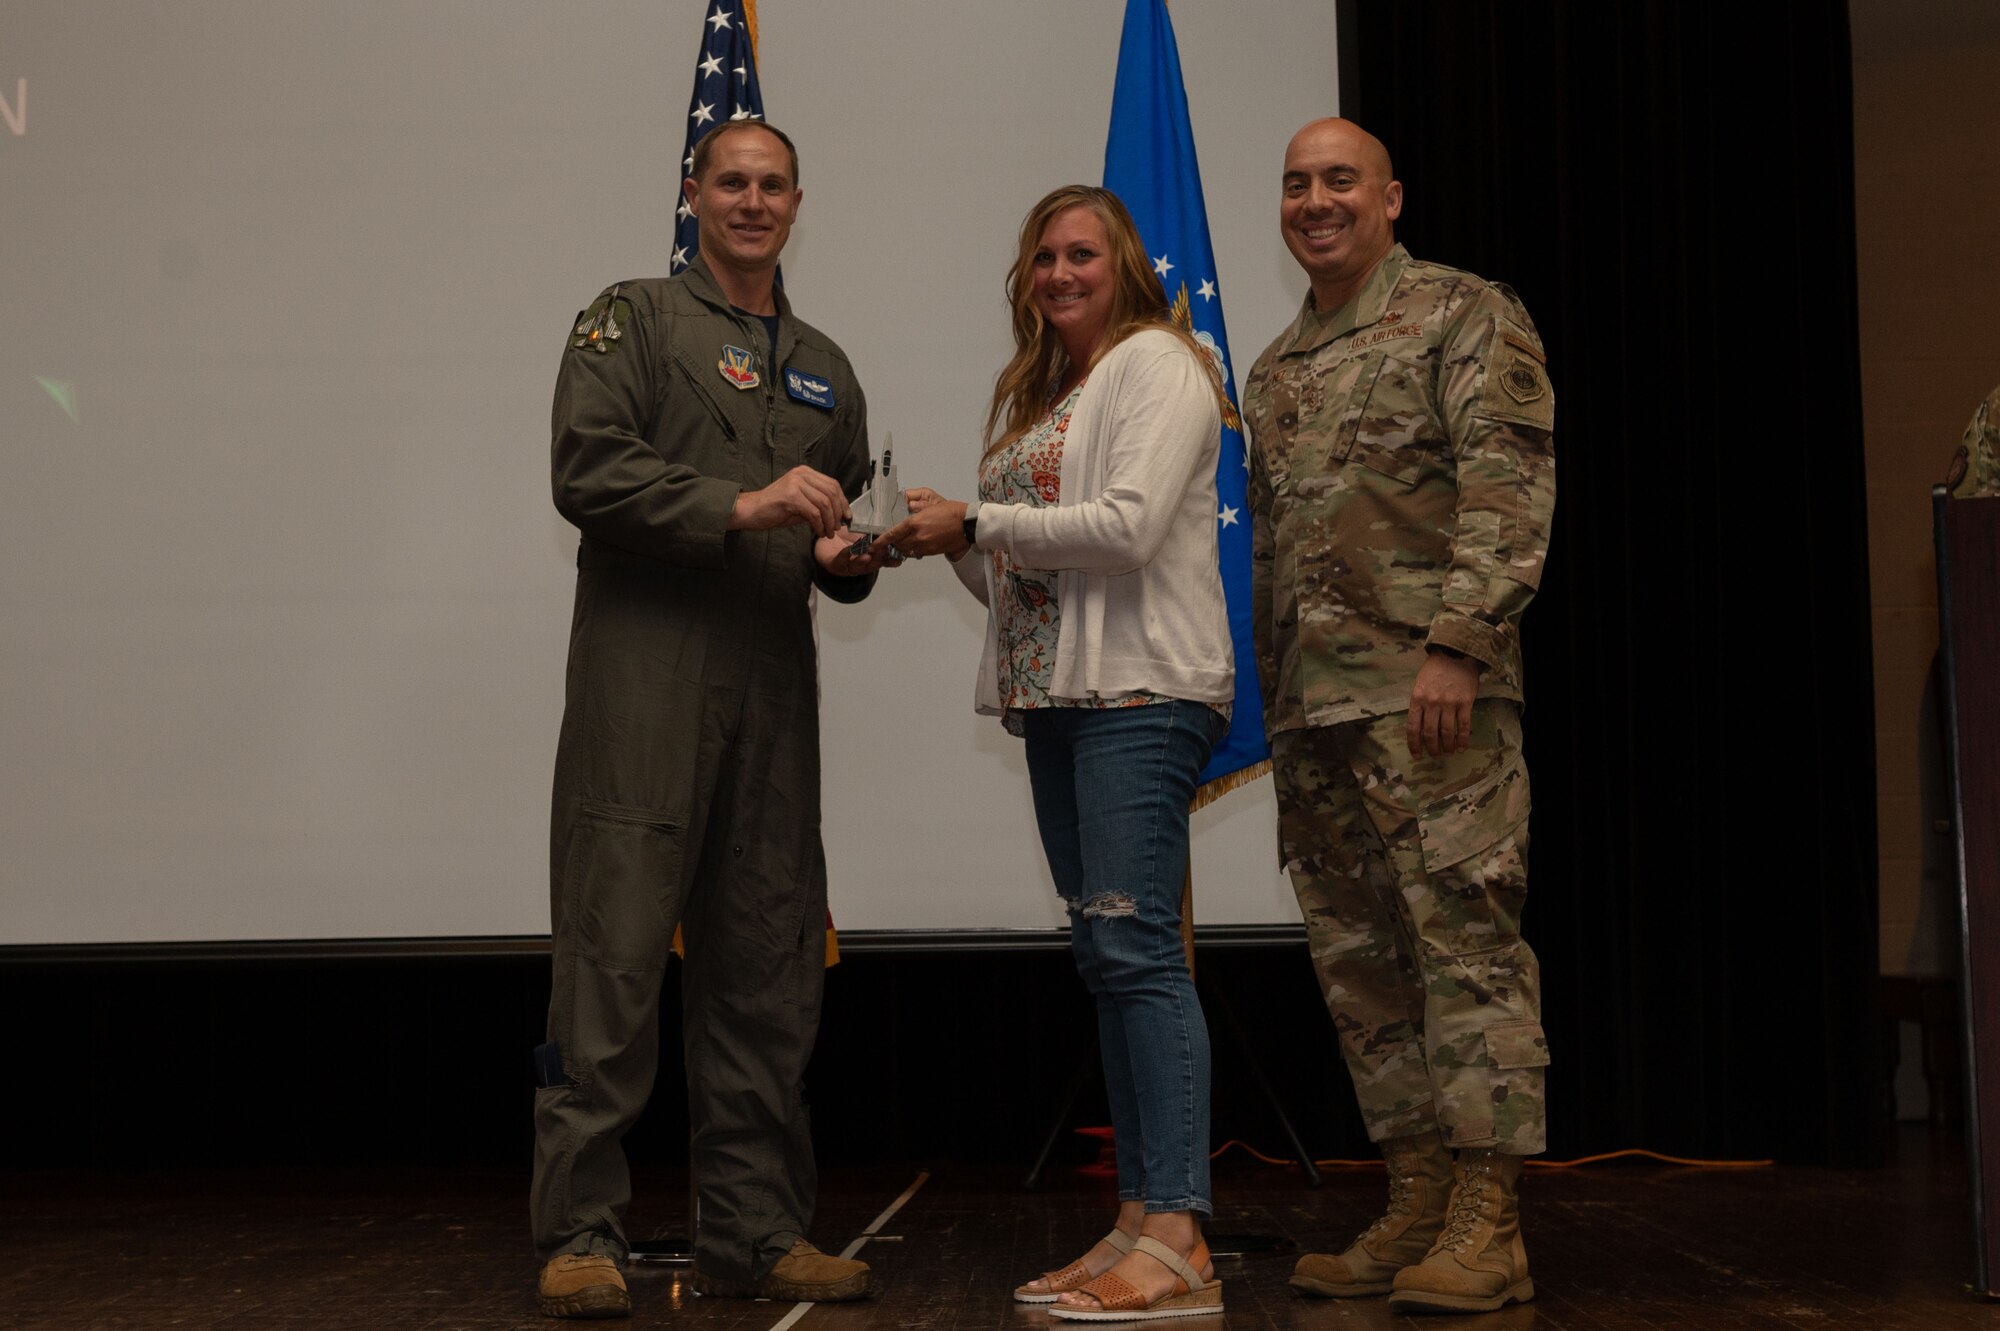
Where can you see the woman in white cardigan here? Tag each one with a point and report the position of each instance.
(1093, 546)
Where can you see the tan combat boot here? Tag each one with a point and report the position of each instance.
(1420, 1178)
(805, 1274)
(1478, 1263)
(579, 1284)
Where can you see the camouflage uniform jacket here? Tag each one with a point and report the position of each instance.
(1975, 470)
(1402, 482)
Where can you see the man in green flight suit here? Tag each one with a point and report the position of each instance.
(1402, 483)
(706, 444)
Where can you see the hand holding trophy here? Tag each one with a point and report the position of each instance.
(934, 526)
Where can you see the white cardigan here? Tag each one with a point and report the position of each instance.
(1131, 540)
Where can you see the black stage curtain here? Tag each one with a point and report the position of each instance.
(1670, 187)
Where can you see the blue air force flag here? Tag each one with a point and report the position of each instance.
(725, 88)
(1149, 163)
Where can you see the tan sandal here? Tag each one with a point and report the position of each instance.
(1074, 1276)
(1118, 1301)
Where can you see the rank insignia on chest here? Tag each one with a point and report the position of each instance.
(738, 367)
(1312, 394)
(809, 389)
(1522, 383)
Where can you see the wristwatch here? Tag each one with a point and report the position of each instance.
(971, 524)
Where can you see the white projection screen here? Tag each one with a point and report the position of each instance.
(285, 600)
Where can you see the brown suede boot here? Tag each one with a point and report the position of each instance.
(579, 1284)
(805, 1274)
(1420, 1178)
(1478, 1263)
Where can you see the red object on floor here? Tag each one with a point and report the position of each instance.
(1106, 1164)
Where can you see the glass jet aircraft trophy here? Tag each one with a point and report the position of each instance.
(881, 506)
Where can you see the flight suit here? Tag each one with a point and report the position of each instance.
(687, 775)
(1401, 489)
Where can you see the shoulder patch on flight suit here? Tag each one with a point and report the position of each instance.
(600, 326)
(1522, 382)
(1517, 380)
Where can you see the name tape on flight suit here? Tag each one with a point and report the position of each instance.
(811, 391)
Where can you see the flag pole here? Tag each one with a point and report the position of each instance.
(1150, 164)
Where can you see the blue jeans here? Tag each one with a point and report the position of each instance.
(1112, 789)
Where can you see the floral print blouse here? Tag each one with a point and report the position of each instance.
(1029, 471)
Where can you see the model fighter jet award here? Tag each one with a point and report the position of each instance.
(881, 506)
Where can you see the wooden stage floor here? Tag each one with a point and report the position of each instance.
(1612, 1246)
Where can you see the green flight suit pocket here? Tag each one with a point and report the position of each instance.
(622, 884)
(1472, 820)
(776, 946)
(683, 360)
(797, 433)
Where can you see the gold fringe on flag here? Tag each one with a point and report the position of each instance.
(1222, 785)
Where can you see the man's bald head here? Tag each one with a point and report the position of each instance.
(1362, 145)
(1340, 204)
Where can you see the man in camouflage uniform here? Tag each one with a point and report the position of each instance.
(1402, 482)
(1975, 467)
(706, 444)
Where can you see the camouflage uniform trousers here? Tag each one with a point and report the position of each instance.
(1411, 874)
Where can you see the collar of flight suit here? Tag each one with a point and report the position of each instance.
(1313, 330)
(702, 285)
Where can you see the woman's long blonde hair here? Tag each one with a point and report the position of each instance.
(1021, 393)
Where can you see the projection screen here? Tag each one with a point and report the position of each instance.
(286, 602)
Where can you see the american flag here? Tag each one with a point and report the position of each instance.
(725, 88)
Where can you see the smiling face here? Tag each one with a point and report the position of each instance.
(1339, 207)
(1072, 282)
(745, 202)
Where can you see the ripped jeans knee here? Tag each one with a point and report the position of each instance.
(1105, 906)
